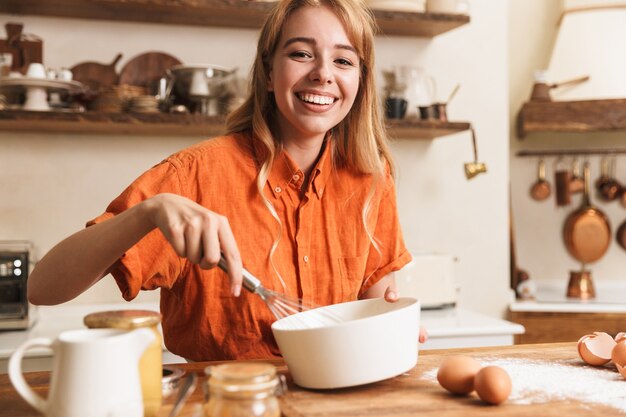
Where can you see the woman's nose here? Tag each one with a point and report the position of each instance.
(322, 73)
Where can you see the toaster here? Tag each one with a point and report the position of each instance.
(430, 278)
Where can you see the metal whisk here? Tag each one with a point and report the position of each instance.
(279, 304)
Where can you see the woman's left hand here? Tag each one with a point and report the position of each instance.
(386, 288)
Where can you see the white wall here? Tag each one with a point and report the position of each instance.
(538, 225)
(56, 182)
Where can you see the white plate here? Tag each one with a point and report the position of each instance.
(417, 6)
(73, 87)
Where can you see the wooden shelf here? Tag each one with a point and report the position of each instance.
(572, 116)
(418, 24)
(163, 124)
(222, 13)
(413, 128)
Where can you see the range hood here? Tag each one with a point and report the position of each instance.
(589, 31)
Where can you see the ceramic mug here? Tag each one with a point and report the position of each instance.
(95, 373)
(36, 70)
(395, 108)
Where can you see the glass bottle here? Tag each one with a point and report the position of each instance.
(243, 389)
(151, 362)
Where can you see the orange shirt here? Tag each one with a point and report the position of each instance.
(324, 255)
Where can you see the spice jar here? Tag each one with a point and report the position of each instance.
(246, 389)
(151, 362)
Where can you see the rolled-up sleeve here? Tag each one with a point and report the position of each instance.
(389, 253)
(152, 262)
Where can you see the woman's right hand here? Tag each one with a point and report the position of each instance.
(196, 233)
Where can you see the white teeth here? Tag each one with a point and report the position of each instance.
(312, 98)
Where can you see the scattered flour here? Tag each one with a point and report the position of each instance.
(537, 381)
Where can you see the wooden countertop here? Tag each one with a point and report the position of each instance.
(405, 395)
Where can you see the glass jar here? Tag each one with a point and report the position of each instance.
(151, 362)
(245, 389)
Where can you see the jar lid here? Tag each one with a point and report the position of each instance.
(122, 319)
(242, 372)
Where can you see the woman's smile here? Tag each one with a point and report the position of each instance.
(317, 102)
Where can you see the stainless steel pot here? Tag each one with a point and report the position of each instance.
(197, 86)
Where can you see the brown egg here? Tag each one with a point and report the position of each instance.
(595, 349)
(493, 384)
(620, 336)
(456, 374)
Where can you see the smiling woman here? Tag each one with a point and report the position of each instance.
(299, 190)
(314, 78)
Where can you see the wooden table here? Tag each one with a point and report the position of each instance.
(405, 395)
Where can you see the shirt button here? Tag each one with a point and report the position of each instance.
(296, 177)
(278, 189)
(306, 258)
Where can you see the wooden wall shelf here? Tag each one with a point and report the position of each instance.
(222, 13)
(572, 116)
(163, 124)
(412, 128)
(159, 124)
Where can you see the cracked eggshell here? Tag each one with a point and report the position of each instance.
(595, 349)
(620, 336)
(618, 356)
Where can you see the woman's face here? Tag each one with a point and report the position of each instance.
(314, 75)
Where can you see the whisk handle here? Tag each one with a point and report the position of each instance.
(250, 282)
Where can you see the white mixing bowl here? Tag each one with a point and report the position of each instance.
(350, 344)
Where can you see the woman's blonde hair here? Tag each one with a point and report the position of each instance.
(359, 142)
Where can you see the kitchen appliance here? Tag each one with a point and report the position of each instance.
(429, 277)
(15, 311)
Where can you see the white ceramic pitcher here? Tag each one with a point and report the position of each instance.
(95, 373)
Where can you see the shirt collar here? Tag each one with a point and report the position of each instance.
(285, 172)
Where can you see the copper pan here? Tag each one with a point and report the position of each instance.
(587, 231)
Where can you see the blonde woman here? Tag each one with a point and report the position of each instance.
(300, 191)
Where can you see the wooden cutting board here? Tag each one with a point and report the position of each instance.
(146, 69)
(412, 394)
(95, 75)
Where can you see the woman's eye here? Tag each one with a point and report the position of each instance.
(300, 54)
(344, 62)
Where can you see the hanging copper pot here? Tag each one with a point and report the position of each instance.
(587, 231)
(540, 190)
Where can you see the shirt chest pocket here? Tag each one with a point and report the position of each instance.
(352, 273)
